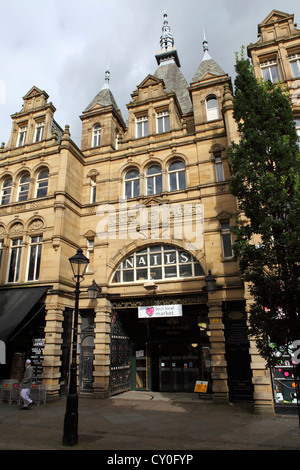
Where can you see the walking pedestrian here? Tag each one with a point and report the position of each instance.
(26, 385)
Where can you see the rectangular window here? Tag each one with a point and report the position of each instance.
(34, 258)
(15, 258)
(92, 191)
(270, 71)
(39, 132)
(141, 126)
(22, 136)
(226, 240)
(219, 169)
(295, 64)
(90, 254)
(163, 122)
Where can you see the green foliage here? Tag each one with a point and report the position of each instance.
(266, 172)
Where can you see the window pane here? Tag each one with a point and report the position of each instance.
(176, 166)
(173, 182)
(155, 259)
(182, 181)
(141, 274)
(295, 68)
(211, 103)
(128, 276)
(227, 245)
(185, 270)
(155, 273)
(131, 174)
(170, 271)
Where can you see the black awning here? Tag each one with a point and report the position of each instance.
(15, 304)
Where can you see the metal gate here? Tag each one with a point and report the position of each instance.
(120, 357)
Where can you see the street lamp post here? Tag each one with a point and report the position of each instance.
(79, 264)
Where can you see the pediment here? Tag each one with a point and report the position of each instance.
(224, 216)
(150, 80)
(154, 200)
(34, 92)
(90, 234)
(274, 17)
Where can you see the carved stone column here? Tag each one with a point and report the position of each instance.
(102, 348)
(52, 348)
(217, 350)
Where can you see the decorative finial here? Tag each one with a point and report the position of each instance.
(107, 79)
(166, 39)
(205, 48)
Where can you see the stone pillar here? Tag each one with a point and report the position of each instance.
(102, 348)
(261, 376)
(217, 351)
(52, 348)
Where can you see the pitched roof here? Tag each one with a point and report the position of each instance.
(175, 82)
(103, 98)
(208, 66)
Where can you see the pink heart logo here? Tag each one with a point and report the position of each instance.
(150, 311)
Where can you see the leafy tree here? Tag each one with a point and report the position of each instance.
(266, 182)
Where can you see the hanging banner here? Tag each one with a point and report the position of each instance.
(160, 311)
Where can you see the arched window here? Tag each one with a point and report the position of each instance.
(212, 110)
(42, 183)
(23, 188)
(6, 190)
(132, 184)
(97, 135)
(158, 262)
(177, 178)
(154, 180)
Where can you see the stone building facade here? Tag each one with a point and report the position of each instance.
(148, 202)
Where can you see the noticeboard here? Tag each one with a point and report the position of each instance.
(201, 386)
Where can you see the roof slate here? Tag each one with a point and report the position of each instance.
(103, 98)
(207, 66)
(175, 82)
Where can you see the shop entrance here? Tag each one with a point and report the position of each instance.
(171, 366)
(167, 354)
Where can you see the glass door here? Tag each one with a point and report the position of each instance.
(179, 367)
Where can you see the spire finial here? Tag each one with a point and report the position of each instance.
(107, 78)
(205, 48)
(166, 39)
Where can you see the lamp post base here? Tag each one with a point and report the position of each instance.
(70, 436)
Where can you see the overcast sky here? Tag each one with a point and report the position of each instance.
(64, 46)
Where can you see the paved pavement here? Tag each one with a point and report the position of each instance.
(136, 421)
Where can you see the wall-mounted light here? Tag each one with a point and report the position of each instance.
(210, 283)
(93, 290)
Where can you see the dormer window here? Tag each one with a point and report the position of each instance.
(39, 131)
(163, 122)
(96, 135)
(141, 126)
(270, 71)
(212, 110)
(22, 136)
